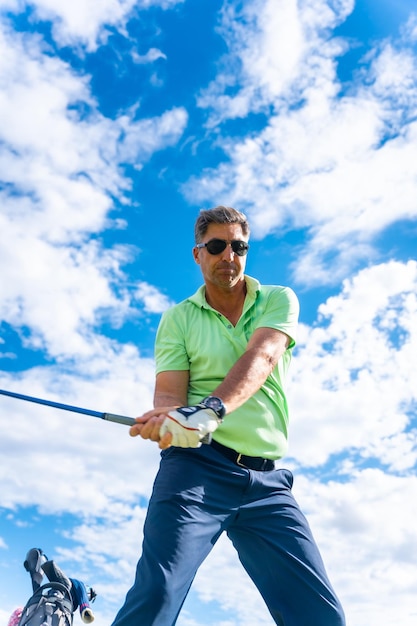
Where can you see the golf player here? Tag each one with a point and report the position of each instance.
(220, 417)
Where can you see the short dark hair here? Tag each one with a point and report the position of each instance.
(219, 215)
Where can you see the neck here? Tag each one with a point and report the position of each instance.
(227, 301)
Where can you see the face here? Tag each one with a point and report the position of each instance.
(226, 269)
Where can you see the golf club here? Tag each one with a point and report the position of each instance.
(110, 417)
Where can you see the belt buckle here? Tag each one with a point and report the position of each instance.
(239, 456)
(261, 468)
(238, 459)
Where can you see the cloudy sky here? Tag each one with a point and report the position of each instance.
(119, 120)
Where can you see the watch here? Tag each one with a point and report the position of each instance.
(214, 403)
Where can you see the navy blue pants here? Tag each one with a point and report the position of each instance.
(197, 495)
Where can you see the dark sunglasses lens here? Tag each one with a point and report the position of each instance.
(240, 247)
(215, 246)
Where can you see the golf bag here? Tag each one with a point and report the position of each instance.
(54, 603)
(50, 605)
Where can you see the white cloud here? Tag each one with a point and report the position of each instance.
(84, 23)
(153, 54)
(277, 49)
(153, 300)
(366, 533)
(5, 616)
(353, 381)
(337, 161)
(57, 146)
(60, 168)
(43, 437)
(140, 139)
(57, 291)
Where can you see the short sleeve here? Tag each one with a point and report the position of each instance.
(280, 310)
(170, 349)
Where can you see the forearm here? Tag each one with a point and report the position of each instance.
(171, 389)
(245, 378)
(168, 399)
(253, 368)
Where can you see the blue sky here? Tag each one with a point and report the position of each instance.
(119, 120)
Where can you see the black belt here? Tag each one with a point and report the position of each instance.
(249, 462)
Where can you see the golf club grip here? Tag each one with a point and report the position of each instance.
(119, 419)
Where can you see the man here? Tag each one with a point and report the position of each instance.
(221, 420)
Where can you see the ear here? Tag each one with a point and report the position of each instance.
(195, 255)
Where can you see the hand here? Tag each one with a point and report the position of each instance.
(189, 425)
(148, 426)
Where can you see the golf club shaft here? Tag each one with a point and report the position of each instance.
(110, 417)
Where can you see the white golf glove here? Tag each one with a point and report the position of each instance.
(189, 425)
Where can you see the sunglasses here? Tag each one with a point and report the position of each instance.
(216, 246)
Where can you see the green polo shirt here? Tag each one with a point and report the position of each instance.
(193, 336)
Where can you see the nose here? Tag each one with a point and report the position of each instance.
(228, 254)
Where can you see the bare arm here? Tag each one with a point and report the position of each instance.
(264, 349)
(171, 389)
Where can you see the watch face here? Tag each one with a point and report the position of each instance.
(215, 403)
